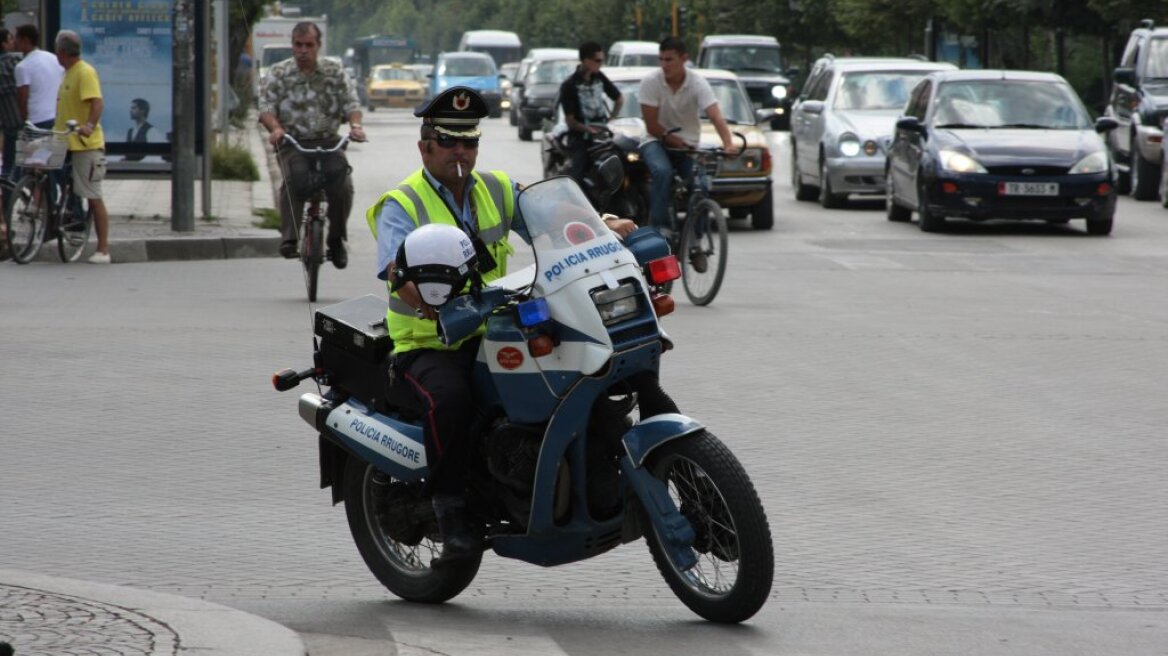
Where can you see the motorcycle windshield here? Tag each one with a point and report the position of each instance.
(568, 237)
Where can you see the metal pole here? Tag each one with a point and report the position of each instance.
(182, 185)
(208, 115)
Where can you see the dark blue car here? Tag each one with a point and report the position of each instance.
(999, 144)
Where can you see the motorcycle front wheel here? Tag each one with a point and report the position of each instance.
(402, 567)
(735, 559)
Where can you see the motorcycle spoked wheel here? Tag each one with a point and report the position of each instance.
(735, 558)
(404, 569)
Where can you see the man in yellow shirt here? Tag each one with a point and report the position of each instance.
(79, 99)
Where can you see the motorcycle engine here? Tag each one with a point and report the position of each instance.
(512, 454)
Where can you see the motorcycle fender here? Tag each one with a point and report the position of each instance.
(673, 530)
(650, 433)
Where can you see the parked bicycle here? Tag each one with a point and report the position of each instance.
(39, 206)
(699, 230)
(311, 239)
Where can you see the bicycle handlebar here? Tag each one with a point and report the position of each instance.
(70, 127)
(319, 150)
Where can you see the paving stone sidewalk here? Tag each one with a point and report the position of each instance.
(49, 616)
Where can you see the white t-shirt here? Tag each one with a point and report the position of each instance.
(681, 108)
(42, 74)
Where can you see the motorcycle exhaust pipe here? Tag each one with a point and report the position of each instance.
(314, 410)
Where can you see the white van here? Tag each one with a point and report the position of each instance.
(504, 47)
(633, 53)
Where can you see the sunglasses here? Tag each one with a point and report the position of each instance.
(448, 142)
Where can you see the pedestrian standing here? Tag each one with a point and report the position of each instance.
(80, 100)
(38, 77)
(10, 119)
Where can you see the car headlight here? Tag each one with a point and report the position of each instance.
(779, 91)
(1096, 162)
(952, 160)
(749, 161)
(849, 145)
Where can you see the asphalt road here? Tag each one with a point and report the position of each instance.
(958, 439)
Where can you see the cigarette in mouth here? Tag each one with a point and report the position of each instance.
(459, 165)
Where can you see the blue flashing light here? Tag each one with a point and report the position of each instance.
(533, 312)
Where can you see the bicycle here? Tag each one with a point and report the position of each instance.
(700, 234)
(37, 207)
(311, 240)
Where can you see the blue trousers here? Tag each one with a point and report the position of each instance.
(661, 165)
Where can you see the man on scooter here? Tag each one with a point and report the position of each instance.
(447, 190)
(582, 97)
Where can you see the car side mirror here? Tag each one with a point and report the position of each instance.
(1125, 76)
(792, 73)
(517, 84)
(1105, 124)
(763, 115)
(812, 106)
(910, 123)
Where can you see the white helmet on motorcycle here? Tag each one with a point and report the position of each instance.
(439, 259)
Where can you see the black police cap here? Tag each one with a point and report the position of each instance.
(454, 112)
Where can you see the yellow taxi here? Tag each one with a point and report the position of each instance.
(393, 85)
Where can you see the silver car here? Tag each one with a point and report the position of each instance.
(843, 122)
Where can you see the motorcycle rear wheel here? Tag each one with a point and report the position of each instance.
(403, 569)
(735, 558)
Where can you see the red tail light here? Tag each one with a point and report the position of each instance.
(766, 160)
(663, 270)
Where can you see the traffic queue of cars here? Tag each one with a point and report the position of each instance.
(930, 139)
(981, 144)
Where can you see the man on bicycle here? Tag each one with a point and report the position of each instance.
(307, 98)
(673, 99)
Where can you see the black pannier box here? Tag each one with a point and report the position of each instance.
(356, 326)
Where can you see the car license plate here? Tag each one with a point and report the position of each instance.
(1028, 189)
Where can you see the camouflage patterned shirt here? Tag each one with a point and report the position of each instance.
(309, 106)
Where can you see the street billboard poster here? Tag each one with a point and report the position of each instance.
(130, 43)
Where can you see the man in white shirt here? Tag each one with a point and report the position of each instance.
(38, 76)
(673, 99)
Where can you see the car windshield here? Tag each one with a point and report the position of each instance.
(735, 106)
(395, 74)
(1158, 59)
(467, 67)
(552, 71)
(744, 58)
(275, 54)
(1024, 104)
(643, 59)
(875, 90)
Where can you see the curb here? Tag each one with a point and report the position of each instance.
(171, 624)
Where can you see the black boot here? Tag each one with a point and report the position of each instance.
(459, 540)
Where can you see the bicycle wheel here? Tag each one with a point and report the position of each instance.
(312, 253)
(27, 215)
(704, 243)
(74, 223)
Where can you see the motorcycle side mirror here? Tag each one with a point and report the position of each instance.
(612, 173)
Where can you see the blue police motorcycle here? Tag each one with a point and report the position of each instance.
(579, 448)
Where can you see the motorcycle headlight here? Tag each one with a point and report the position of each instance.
(1094, 163)
(616, 305)
(849, 145)
(633, 156)
(956, 162)
(779, 91)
